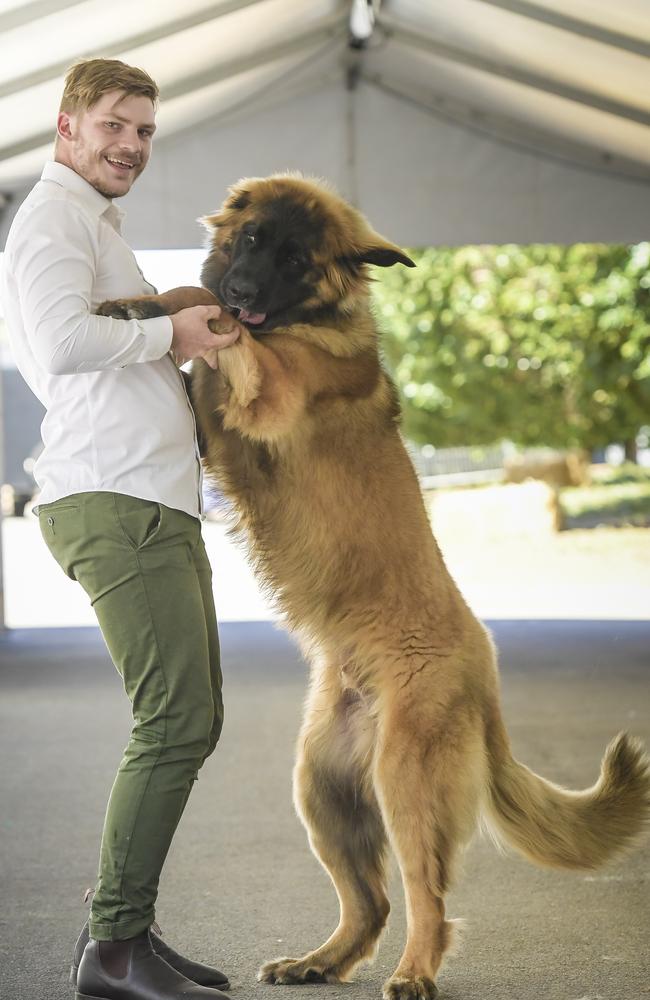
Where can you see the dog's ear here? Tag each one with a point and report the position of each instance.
(211, 222)
(383, 254)
(239, 198)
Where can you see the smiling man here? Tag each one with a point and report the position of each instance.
(109, 143)
(120, 503)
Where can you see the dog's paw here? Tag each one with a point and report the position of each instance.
(411, 988)
(130, 309)
(291, 971)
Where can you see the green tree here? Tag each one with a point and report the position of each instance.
(541, 344)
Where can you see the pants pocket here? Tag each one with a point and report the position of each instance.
(139, 520)
(60, 524)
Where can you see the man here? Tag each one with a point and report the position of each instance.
(120, 502)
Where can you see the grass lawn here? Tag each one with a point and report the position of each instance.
(600, 573)
(598, 567)
(619, 496)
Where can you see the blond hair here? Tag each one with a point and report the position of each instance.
(89, 79)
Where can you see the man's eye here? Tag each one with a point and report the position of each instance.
(111, 124)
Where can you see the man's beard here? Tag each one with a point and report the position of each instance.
(107, 193)
(91, 170)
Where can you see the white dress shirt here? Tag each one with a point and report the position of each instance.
(118, 417)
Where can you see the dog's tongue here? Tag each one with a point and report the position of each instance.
(248, 317)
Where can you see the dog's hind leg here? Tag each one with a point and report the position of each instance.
(429, 776)
(337, 805)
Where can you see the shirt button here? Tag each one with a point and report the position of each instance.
(50, 521)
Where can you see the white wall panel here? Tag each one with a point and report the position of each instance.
(419, 179)
(188, 175)
(425, 181)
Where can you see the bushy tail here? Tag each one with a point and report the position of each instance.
(552, 826)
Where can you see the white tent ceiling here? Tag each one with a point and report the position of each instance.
(458, 120)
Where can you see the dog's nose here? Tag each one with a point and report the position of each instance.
(241, 292)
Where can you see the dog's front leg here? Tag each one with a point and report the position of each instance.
(165, 304)
(264, 402)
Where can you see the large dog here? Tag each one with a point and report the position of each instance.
(403, 741)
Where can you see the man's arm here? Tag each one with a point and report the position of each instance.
(201, 327)
(53, 263)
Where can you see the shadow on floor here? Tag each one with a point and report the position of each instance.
(240, 884)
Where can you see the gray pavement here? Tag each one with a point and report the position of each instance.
(240, 885)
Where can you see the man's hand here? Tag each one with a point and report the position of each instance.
(201, 332)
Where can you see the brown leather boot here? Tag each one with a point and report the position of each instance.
(131, 970)
(204, 975)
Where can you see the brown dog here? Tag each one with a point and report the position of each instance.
(402, 741)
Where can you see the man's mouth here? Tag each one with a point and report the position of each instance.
(122, 165)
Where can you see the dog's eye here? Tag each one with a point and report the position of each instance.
(293, 258)
(250, 238)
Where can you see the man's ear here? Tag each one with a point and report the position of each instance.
(64, 125)
(384, 255)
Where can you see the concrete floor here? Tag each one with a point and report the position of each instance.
(240, 885)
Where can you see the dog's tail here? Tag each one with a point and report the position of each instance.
(553, 826)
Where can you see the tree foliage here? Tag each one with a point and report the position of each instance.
(539, 344)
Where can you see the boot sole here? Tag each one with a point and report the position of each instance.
(87, 996)
(81, 996)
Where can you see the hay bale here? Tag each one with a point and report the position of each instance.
(529, 508)
(557, 468)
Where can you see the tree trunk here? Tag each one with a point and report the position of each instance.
(631, 450)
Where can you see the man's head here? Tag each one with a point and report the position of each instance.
(106, 123)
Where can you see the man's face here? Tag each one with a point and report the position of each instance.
(109, 144)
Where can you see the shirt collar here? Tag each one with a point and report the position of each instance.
(69, 179)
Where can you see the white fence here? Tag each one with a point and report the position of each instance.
(458, 466)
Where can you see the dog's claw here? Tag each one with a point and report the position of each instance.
(291, 971)
(415, 988)
(116, 310)
(270, 971)
(131, 309)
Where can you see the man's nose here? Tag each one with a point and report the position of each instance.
(131, 141)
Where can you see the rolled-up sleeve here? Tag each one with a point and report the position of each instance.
(54, 264)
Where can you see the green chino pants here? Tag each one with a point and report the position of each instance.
(145, 569)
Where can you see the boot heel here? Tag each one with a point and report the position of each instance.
(73, 974)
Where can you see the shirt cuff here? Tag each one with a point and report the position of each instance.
(158, 337)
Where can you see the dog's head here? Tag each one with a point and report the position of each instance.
(287, 249)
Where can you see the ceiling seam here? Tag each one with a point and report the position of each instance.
(574, 25)
(483, 64)
(205, 16)
(28, 12)
(642, 176)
